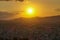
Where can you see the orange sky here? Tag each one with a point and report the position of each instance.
(43, 7)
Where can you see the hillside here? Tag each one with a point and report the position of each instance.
(47, 28)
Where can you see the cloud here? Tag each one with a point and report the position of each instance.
(20, 0)
(7, 15)
(57, 10)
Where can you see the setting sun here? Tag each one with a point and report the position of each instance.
(30, 11)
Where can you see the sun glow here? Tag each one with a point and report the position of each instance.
(29, 11)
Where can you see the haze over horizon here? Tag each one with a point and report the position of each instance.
(44, 8)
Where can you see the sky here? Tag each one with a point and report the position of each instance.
(44, 7)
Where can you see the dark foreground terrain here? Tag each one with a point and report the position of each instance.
(47, 28)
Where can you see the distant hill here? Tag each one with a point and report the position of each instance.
(35, 19)
(47, 28)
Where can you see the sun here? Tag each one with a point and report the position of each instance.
(29, 11)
